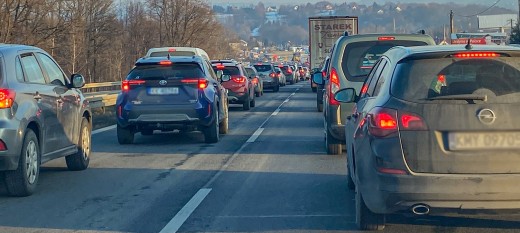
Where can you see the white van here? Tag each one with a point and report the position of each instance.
(176, 51)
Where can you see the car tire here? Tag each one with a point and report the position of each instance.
(276, 89)
(319, 107)
(211, 132)
(247, 103)
(314, 89)
(350, 182)
(22, 182)
(366, 219)
(253, 102)
(223, 127)
(125, 135)
(332, 145)
(80, 160)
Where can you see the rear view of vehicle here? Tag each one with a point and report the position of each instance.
(268, 76)
(350, 62)
(241, 89)
(437, 130)
(289, 72)
(252, 74)
(180, 93)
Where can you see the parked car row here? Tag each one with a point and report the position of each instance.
(426, 129)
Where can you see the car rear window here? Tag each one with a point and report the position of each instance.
(250, 72)
(175, 71)
(262, 68)
(229, 70)
(173, 53)
(497, 79)
(360, 57)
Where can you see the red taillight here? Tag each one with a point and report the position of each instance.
(476, 55)
(382, 122)
(333, 86)
(324, 74)
(255, 81)
(200, 82)
(3, 147)
(289, 70)
(220, 67)
(386, 38)
(127, 84)
(165, 63)
(364, 89)
(391, 171)
(7, 98)
(238, 79)
(278, 75)
(410, 121)
(272, 75)
(171, 50)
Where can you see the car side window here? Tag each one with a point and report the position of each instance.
(385, 73)
(19, 70)
(209, 68)
(56, 76)
(33, 71)
(377, 75)
(364, 89)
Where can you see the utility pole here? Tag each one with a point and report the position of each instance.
(451, 23)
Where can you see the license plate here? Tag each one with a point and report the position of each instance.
(478, 141)
(164, 91)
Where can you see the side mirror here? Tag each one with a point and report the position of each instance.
(78, 81)
(317, 78)
(347, 95)
(278, 72)
(226, 78)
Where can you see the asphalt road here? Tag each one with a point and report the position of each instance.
(269, 174)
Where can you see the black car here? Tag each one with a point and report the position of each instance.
(43, 116)
(268, 75)
(171, 93)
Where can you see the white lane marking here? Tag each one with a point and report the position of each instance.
(275, 112)
(103, 129)
(286, 216)
(179, 219)
(255, 135)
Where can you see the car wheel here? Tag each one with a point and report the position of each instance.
(258, 94)
(314, 89)
(147, 132)
(253, 102)
(247, 103)
(224, 125)
(365, 218)
(332, 145)
(211, 132)
(350, 182)
(22, 181)
(276, 88)
(125, 135)
(80, 160)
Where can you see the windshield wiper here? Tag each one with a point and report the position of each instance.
(459, 97)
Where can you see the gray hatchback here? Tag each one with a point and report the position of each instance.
(43, 116)
(435, 129)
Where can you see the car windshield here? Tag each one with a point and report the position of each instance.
(175, 71)
(228, 70)
(263, 68)
(360, 57)
(250, 72)
(498, 80)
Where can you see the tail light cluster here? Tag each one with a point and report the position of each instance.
(383, 122)
(128, 84)
(200, 82)
(289, 70)
(238, 78)
(272, 75)
(333, 86)
(7, 98)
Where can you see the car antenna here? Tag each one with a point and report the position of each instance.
(168, 56)
(469, 46)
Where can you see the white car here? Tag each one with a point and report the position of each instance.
(176, 51)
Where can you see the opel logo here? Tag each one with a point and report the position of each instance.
(486, 116)
(163, 82)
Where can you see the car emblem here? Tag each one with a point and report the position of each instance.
(486, 116)
(163, 82)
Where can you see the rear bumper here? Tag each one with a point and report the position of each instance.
(237, 97)
(9, 158)
(165, 116)
(443, 193)
(271, 85)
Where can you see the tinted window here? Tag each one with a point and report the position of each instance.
(175, 71)
(497, 79)
(19, 70)
(229, 70)
(175, 53)
(263, 68)
(56, 77)
(33, 72)
(250, 72)
(360, 57)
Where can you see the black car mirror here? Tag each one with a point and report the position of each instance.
(347, 95)
(78, 81)
(225, 78)
(317, 78)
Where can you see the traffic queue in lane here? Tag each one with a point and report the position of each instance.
(421, 123)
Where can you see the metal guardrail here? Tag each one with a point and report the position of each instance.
(102, 95)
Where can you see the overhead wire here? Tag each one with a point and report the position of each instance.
(484, 11)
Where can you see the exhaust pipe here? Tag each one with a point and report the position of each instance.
(420, 209)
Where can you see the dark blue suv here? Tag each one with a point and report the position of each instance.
(171, 93)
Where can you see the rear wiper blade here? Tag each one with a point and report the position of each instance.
(459, 97)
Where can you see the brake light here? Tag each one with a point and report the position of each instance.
(272, 75)
(410, 121)
(3, 147)
(391, 171)
(171, 50)
(255, 81)
(364, 89)
(333, 86)
(220, 66)
(165, 63)
(324, 74)
(238, 79)
(7, 98)
(477, 55)
(382, 122)
(200, 82)
(289, 70)
(386, 38)
(127, 84)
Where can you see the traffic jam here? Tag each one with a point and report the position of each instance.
(413, 130)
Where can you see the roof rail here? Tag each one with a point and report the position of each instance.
(345, 33)
(422, 32)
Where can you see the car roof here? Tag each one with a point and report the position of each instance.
(397, 36)
(197, 51)
(401, 52)
(183, 59)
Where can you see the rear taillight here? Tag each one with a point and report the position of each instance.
(200, 82)
(127, 84)
(410, 121)
(333, 86)
(382, 122)
(324, 74)
(7, 98)
(272, 75)
(3, 147)
(238, 79)
(255, 81)
(289, 70)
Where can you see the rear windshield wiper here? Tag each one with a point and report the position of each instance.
(459, 97)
